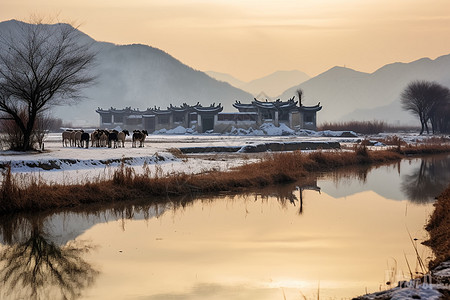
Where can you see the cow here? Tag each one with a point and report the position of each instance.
(95, 138)
(77, 139)
(103, 138)
(112, 139)
(139, 136)
(84, 139)
(66, 137)
(121, 137)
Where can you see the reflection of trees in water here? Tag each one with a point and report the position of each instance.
(420, 186)
(33, 267)
(346, 175)
(428, 180)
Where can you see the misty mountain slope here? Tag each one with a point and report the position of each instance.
(226, 78)
(391, 113)
(14, 29)
(272, 84)
(350, 95)
(275, 83)
(144, 77)
(339, 90)
(141, 77)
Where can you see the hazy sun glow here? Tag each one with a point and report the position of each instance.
(250, 39)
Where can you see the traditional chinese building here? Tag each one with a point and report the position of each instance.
(211, 118)
(287, 112)
(152, 119)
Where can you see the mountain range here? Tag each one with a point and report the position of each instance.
(273, 84)
(347, 94)
(141, 76)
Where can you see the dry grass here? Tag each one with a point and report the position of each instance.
(19, 193)
(439, 229)
(392, 141)
(436, 140)
(364, 127)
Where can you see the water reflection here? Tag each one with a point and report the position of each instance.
(255, 246)
(426, 181)
(286, 194)
(35, 267)
(417, 180)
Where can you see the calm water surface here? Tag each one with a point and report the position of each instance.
(337, 235)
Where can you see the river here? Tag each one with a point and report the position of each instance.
(335, 235)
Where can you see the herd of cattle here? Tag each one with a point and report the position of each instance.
(102, 138)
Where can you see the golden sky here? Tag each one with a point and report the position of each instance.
(252, 38)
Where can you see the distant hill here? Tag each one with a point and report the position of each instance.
(347, 94)
(226, 78)
(141, 77)
(272, 84)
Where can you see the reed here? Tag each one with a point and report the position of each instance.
(30, 193)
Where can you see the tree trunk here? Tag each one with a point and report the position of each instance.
(27, 133)
(434, 126)
(422, 126)
(26, 141)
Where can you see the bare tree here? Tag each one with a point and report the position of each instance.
(41, 66)
(425, 99)
(440, 115)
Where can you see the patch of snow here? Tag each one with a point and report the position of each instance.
(332, 133)
(248, 132)
(379, 144)
(443, 269)
(422, 292)
(177, 130)
(306, 132)
(271, 129)
(265, 129)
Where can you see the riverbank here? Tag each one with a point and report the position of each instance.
(439, 229)
(29, 193)
(436, 284)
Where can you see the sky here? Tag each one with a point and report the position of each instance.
(250, 39)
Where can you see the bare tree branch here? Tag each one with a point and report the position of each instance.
(41, 66)
(427, 100)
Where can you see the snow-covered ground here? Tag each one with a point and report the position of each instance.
(73, 164)
(430, 287)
